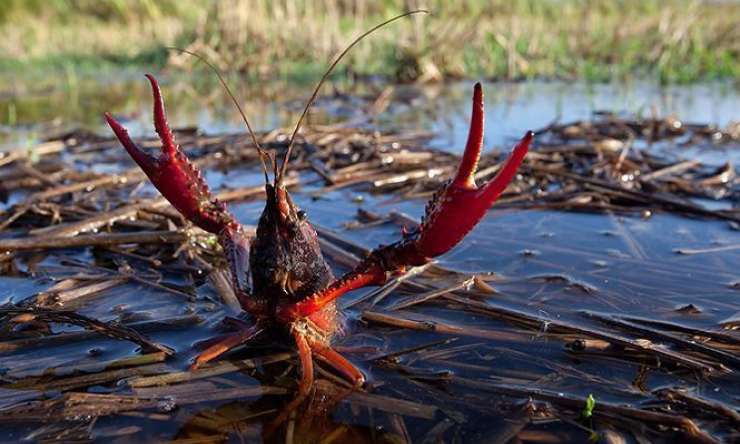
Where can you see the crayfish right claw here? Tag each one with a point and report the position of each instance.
(173, 174)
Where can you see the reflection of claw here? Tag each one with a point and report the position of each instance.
(172, 173)
(454, 210)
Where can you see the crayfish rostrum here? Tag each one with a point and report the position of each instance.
(292, 287)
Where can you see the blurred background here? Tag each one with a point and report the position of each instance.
(63, 62)
(677, 41)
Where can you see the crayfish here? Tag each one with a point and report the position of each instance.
(280, 276)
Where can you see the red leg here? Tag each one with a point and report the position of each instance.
(328, 355)
(453, 211)
(351, 373)
(306, 383)
(229, 342)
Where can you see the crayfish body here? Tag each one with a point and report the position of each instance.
(292, 287)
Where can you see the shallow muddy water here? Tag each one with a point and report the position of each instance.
(498, 361)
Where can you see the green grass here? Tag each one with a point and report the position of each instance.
(674, 41)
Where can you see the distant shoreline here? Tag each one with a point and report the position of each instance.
(673, 41)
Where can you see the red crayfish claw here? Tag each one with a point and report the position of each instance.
(173, 174)
(452, 213)
(458, 207)
(182, 184)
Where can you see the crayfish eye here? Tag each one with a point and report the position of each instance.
(302, 216)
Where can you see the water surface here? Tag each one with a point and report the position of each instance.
(544, 268)
(511, 108)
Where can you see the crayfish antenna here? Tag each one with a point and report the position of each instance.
(288, 151)
(260, 151)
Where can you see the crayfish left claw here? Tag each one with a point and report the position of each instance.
(454, 210)
(460, 205)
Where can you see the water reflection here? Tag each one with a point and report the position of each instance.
(200, 102)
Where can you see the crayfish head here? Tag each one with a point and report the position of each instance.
(286, 259)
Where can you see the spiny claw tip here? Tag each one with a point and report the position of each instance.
(119, 130)
(153, 81)
(526, 141)
(478, 92)
(466, 170)
(155, 88)
(160, 119)
(521, 148)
